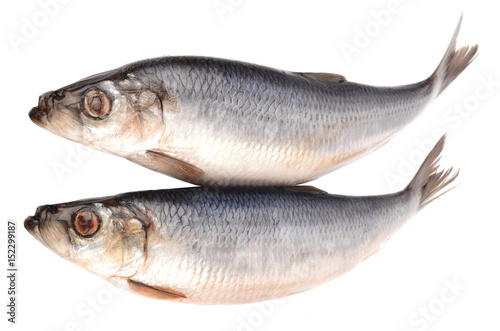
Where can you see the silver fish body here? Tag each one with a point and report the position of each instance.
(220, 122)
(229, 245)
(240, 246)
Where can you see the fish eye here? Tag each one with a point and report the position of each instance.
(97, 104)
(86, 223)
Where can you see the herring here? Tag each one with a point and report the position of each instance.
(219, 122)
(209, 245)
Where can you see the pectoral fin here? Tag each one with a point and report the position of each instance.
(154, 292)
(169, 165)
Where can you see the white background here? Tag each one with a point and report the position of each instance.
(453, 240)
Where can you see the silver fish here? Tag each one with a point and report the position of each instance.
(218, 122)
(210, 245)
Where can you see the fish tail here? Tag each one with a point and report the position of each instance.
(454, 61)
(428, 180)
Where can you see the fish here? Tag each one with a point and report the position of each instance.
(230, 245)
(218, 122)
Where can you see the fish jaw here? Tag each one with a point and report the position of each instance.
(38, 116)
(31, 224)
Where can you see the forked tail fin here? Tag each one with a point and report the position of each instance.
(454, 61)
(428, 180)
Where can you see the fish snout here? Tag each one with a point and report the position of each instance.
(39, 113)
(31, 223)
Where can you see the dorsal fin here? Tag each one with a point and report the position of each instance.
(305, 189)
(323, 76)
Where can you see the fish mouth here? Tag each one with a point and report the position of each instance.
(32, 224)
(39, 116)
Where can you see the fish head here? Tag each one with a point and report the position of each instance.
(114, 112)
(102, 237)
